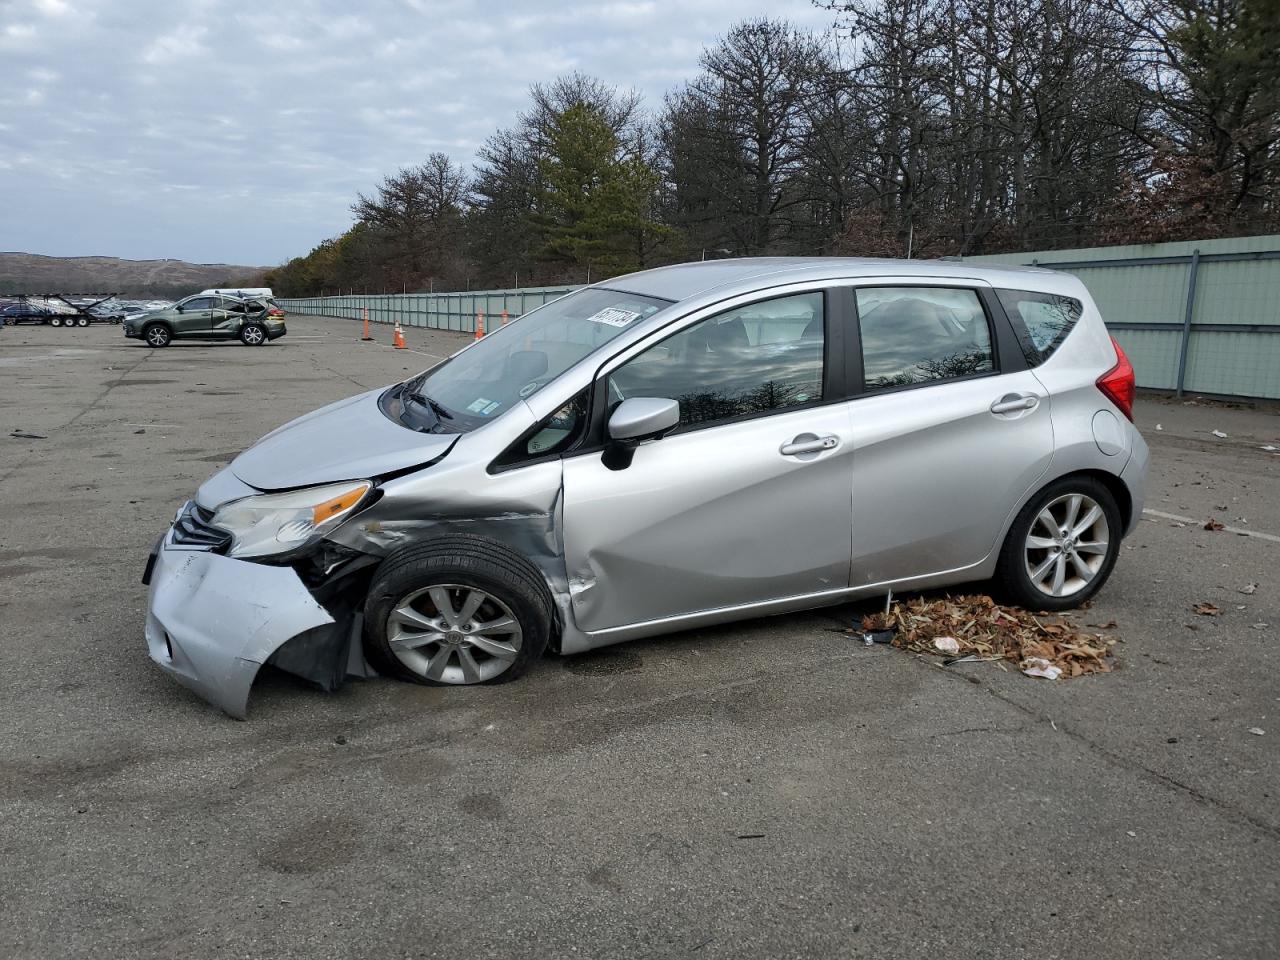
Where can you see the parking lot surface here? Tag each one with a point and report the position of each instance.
(766, 789)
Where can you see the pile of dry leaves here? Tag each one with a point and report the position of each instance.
(984, 630)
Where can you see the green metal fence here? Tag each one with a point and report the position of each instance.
(438, 311)
(1200, 316)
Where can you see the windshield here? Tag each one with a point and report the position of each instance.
(516, 361)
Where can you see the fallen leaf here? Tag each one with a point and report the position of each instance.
(1206, 609)
(1109, 625)
(1249, 589)
(1212, 524)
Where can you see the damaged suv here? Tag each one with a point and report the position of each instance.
(678, 447)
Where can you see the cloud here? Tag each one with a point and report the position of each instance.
(240, 131)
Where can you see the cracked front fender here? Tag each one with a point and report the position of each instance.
(213, 621)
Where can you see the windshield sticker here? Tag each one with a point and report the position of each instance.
(490, 408)
(613, 316)
(477, 406)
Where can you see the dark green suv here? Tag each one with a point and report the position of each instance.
(206, 317)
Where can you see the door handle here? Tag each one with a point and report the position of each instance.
(808, 443)
(1014, 402)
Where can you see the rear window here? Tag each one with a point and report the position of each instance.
(1041, 320)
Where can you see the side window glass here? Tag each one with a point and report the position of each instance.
(754, 359)
(921, 334)
(556, 434)
(233, 306)
(1041, 320)
(198, 303)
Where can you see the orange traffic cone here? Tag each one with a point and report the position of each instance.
(398, 342)
(480, 325)
(366, 326)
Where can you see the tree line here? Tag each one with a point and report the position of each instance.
(919, 128)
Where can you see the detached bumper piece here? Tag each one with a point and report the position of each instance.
(214, 621)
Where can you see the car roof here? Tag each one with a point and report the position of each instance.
(685, 280)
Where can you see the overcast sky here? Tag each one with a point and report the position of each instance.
(240, 130)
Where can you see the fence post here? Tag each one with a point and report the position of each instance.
(1186, 320)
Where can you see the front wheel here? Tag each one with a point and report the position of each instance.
(1062, 545)
(253, 334)
(157, 335)
(457, 610)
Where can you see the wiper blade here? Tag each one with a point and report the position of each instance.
(436, 408)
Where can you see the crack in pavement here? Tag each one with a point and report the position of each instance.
(1120, 761)
(87, 407)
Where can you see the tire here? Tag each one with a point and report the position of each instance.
(157, 335)
(253, 334)
(54, 321)
(456, 568)
(82, 321)
(1030, 572)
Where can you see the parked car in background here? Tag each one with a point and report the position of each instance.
(679, 447)
(207, 317)
(16, 313)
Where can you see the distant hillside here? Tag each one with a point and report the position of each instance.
(33, 273)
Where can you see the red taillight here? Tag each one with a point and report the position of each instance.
(1119, 383)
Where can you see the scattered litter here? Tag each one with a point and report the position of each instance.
(750, 836)
(1040, 667)
(1175, 523)
(143, 430)
(1261, 626)
(1206, 609)
(1109, 625)
(23, 435)
(1270, 448)
(1249, 589)
(870, 637)
(983, 630)
(946, 644)
(1159, 426)
(340, 740)
(1257, 731)
(1130, 833)
(1212, 524)
(1219, 434)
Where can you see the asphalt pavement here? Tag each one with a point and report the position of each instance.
(765, 789)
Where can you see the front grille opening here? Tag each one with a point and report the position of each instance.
(193, 529)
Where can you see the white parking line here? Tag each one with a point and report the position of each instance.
(1245, 533)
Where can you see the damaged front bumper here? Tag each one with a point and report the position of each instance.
(213, 621)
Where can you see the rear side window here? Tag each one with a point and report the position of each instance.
(1041, 320)
(916, 335)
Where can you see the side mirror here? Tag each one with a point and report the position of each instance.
(179, 308)
(643, 418)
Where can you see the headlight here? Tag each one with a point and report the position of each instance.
(281, 522)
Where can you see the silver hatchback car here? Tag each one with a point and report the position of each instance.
(678, 447)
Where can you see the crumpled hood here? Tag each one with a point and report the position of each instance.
(348, 440)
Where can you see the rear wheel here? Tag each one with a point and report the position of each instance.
(253, 334)
(157, 335)
(1062, 545)
(55, 321)
(82, 321)
(457, 610)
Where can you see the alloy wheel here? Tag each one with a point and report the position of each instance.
(157, 336)
(1067, 545)
(253, 336)
(453, 633)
